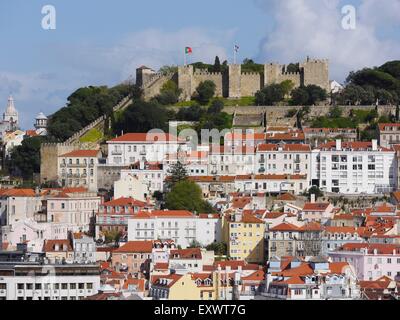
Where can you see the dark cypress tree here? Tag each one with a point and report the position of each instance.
(217, 65)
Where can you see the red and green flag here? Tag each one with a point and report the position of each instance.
(188, 50)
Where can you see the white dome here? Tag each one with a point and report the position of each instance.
(41, 116)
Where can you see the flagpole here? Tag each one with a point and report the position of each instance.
(184, 57)
(234, 55)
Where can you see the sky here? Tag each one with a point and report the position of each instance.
(102, 42)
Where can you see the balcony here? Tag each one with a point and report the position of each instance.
(142, 152)
(261, 160)
(116, 152)
(77, 165)
(297, 160)
(261, 170)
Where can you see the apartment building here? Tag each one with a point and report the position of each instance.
(35, 281)
(79, 169)
(283, 159)
(389, 134)
(113, 215)
(246, 237)
(151, 147)
(74, 207)
(182, 226)
(370, 261)
(354, 168)
(287, 239)
(235, 160)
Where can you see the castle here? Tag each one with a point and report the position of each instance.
(234, 83)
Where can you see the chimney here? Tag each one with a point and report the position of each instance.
(141, 164)
(338, 144)
(374, 145)
(313, 198)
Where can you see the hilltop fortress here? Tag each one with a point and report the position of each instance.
(234, 83)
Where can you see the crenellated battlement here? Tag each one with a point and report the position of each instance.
(234, 83)
(200, 72)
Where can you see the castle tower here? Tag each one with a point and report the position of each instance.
(185, 81)
(271, 73)
(235, 73)
(143, 75)
(316, 71)
(11, 114)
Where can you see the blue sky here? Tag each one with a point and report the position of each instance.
(102, 41)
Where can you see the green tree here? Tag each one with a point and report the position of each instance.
(219, 248)
(205, 91)
(187, 195)
(25, 158)
(335, 112)
(316, 191)
(192, 113)
(287, 87)
(270, 95)
(142, 116)
(299, 97)
(178, 173)
(217, 105)
(217, 65)
(293, 67)
(169, 93)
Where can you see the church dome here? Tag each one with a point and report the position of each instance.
(41, 116)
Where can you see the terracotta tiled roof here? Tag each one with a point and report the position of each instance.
(191, 253)
(356, 146)
(382, 126)
(161, 266)
(125, 202)
(164, 214)
(50, 245)
(173, 278)
(381, 248)
(19, 193)
(286, 197)
(139, 283)
(135, 246)
(285, 148)
(315, 206)
(81, 154)
(146, 137)
(285, 226)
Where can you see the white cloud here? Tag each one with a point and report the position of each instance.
(313, 28)
(83, 64)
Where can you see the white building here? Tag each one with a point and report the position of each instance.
(78, 169)
(32, 233)
(48, 282)
(151, 147)
(354, 168)
(233, 160)
(283, 159)
(149, 176)
(183, 227)
(19, 205)
(74, 208)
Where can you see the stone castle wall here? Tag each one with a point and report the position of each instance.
(234, 83)
(201, 76)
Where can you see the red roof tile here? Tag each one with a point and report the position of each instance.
(82, 154)
(135, 246)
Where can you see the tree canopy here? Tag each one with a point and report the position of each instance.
(205, 91)
(84, 106)
(187, 195)
(25, 158)
(143, 116)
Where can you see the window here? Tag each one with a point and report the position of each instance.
(20, 286)
(64, 286)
